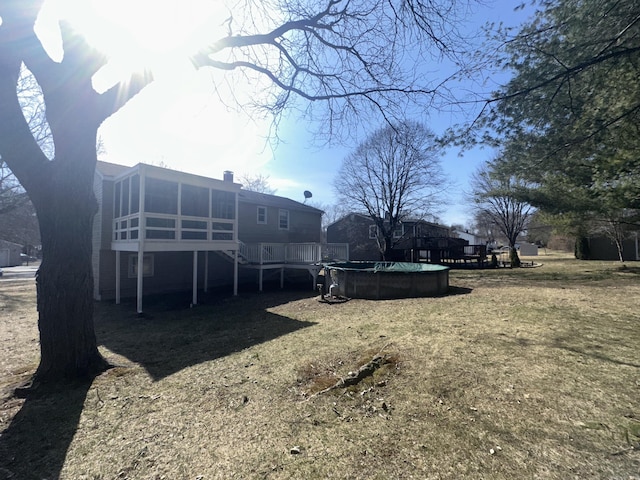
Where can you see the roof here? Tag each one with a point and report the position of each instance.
(351, 216)
(268, 200)
(113, 170)
(110, 169)
(7, 243)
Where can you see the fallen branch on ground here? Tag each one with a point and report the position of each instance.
(363, 372)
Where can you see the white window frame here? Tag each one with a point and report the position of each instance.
(373, 232)
(262, 210)
(398, 232)
(147, 265)
(282, 212)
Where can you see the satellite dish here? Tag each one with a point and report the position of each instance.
(307, 195)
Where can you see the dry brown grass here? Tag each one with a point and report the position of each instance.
(530, 373)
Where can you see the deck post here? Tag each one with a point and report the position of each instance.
(142, 226)
(235, 272)
(206, 271)
(139, 284)
(117, 277)
(260, 279)
(194, 296)
(281, 277)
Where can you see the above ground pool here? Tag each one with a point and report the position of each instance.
(386, 280)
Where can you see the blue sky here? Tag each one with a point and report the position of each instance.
(179, 120)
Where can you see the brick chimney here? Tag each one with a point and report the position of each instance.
(227, 176)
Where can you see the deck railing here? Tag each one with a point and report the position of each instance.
(178, 228)
(293, 253)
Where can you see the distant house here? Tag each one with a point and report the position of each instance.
(603, 248)
(10, 254)
(159, 230)
(473, 239)
(360, 232)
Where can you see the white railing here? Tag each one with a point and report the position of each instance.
(166, 227)
(301, 253)
(335, 252)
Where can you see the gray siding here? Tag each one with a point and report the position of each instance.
(96, 236)
(304, 226)
(172, 272)
(354, 230)
(10, 254)
(102, 233)
(603, 248)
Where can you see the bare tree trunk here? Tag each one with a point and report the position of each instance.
(388, 249)
(620, 247)
(514, 259)
(66, 206)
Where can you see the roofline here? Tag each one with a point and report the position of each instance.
(145, 167)
(300, 205)
(409, 220)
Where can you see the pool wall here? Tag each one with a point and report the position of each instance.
(362, 281)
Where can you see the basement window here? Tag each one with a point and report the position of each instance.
(147, 265)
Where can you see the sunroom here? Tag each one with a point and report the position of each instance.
(160, 210)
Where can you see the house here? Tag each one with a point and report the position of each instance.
(603, 248)
(159, 230)
(472, 238)
(360, 233)
(10, 254)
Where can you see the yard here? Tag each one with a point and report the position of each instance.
(529, 373)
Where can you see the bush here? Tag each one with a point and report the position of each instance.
(582, 251)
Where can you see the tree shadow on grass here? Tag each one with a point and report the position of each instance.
(35, 445)
(561, 344)
(168, 339)
(457, 291)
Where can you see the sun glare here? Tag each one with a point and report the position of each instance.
(140, 34)
(187, 115)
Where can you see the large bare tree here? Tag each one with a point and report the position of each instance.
(257, 183)
(394, 175)
(352, 57)
(496, 196)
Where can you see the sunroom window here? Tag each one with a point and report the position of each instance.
(195, 201)
(223, 204)
(160, 196)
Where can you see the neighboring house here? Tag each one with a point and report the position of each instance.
(360, 232)
(603, 248)
(470, 237)
(159, 230)
(10, 254)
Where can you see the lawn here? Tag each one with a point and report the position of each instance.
(523, 373)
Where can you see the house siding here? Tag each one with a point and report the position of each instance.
(304, 226)
(172, 272)
(354, 230)
(10, 254)
(603, 248)
(102, 234)
(96, 235)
